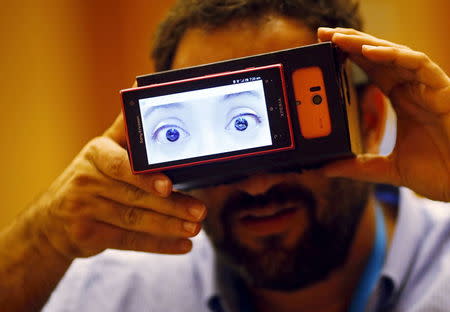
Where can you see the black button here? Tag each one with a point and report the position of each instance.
(317, 99)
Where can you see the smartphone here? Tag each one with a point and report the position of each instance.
(212, 118)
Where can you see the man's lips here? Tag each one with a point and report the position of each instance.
(268, 220)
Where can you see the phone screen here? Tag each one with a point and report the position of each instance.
(207, 119)
(204, 122)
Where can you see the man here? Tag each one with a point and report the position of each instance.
(283, 242)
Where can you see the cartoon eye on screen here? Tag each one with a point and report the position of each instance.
(205, 122)
(207, 119)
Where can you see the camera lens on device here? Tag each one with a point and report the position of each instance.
(317, 99)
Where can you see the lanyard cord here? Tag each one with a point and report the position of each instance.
(373, 269)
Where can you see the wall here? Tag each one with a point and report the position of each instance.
(63, 62)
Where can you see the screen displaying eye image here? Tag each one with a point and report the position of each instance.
(205, 122)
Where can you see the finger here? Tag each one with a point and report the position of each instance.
(112, 160)
(326, 33)
(353, 43)
(117, 132)
(350, 41)
(176, 205)
(142, 220)
(425, 71)
(369, 168)
(384, 76)
(94, 236)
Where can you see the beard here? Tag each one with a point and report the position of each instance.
(323, 247)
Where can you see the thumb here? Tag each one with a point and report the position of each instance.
(365, 167)
(117, 130)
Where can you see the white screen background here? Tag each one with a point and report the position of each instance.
(205, 122)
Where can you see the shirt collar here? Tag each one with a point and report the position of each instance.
(204, 259)
(408, 235)
(220, 288)
(233, 291)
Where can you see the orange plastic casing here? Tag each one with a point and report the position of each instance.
(314, 119)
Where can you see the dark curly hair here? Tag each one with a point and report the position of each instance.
(215, 13)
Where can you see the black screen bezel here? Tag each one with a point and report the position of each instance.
(277, 110)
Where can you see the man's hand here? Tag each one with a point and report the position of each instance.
(97, 203)
(420, 93)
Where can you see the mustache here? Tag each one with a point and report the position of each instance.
(278, 194)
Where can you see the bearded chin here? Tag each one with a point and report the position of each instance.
(272, 269)
(322, 249)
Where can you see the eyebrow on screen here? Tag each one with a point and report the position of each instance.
(152, 109)
(238, 94)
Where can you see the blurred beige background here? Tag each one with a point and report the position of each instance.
(64, 61)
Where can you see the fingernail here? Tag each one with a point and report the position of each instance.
(161, 186)
(190, 227)
(185, 245)
(197, 211)
(325, 28)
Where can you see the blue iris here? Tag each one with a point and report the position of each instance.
(241, 124)
(172, 134)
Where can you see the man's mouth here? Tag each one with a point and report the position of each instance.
(268, 220)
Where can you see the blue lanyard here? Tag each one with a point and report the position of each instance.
(374, 265)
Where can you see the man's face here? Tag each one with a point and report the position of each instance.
(278, 231)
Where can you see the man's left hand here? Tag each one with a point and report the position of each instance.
(419, 91)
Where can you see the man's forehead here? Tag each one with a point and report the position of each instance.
(240, 38)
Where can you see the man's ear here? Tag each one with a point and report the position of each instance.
(374, 106)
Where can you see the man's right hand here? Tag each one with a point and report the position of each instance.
(97, 203)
